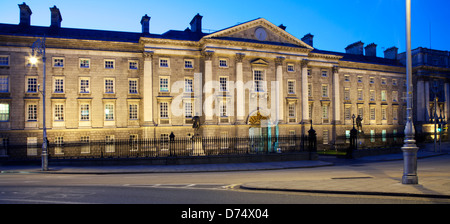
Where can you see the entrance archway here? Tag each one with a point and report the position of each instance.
(260, 132)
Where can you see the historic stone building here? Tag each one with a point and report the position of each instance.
(249, 79)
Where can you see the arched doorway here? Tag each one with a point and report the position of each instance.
(260, 132)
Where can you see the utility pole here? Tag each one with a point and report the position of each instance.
(409, 147)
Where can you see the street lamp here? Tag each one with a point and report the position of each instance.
(409, 147)
(38, 49)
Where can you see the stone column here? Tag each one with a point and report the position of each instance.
(279, 88)
(240, 93)
(447, 101)
(148, 89)
(427, 101)
(208, 87)
(305, 97)
(336, 96)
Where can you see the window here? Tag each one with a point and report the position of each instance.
(371, 80)
(291, 110)
(395, 113)
(163, 110)
(383, 135)
(258, 78)
(109, 85)
(164, 142)
(360, 79)
(84, 110)
(4, 112)
(84, 85)
(163, 63)
(85, 147)
(223, 84)
(372, 95)
(360, 94)
(31, 112)
(109, 64)
(223, 63)
(360, 111)
(188, 63)
(133, 111)
(4, 60)
(59, 85)
(290, 68)
(58, 62)
(59, 112)
(383, 81)
(109, 143)
(383, 95)
(310, 110)
(59, 144)
(309, 90)
(4, 84)
(188, 110)
(372, 113)
(324, 111)
(32, 85)
(346, 93)
(188, 85)
(372, 135)
(347, 78)
(109, 112)
(223, 108)
(394, 96)
(324, 73)
(383, 113)
(133, 65)
(164, 84)
(309, 72)
(394, 82)
(347, 113)
(85, 63)
(325, 137)
(291, 87)
(132, 86)
(324, 90)
(133, 140)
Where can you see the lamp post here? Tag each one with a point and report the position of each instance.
(38, 49)
(409, 147)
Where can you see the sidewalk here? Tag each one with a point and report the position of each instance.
(436, 185)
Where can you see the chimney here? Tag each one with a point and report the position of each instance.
(308, 39)
(55, 17)
(196, 24)
(355, 48)
(145, 22)
(283, 27)
(371, 50)
(25, 15)
(391, 53)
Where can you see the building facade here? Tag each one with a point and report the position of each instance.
(250, 79)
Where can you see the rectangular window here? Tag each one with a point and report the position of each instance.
(325, 111)
(371, 80)
(133, 111)
(394, 96)
(347, 78)
(164, 142)
(372, 95)
(109, 85)
(258, 78)
(291, 87)
(163, 63)
(223, 63)
(291, 110)
(163, 110)
(324, 73)
(31, 112)
(4, 60)
(360, 94)
(58, 62)
(188, 63)
(372, 135)
(360, 111)
(133, 65)
(383, 81)
(325, 137)
(133, 140)
(109, 143)
(4, 84)
(360, 79)
(109, 112)
(188, 110)
(310, 110)
(347, 113)
(109, 64)
(59, 112)
(324, 90)
(223, 84)
(394, 82)
(290, 68)
(395, 113)
(85, 146)
(85, 63)
(84, 110)
(223, 108)
(59, 145)
(309, 90)
(59, 85)
(164, 84)
(4, 112)
(346, 93)
(188, 88)
(383, 113)
(132, 86)
(32, 85)
(372, 113)
(383, 95)
(84, 85)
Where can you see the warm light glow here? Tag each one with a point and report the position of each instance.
(33, 60)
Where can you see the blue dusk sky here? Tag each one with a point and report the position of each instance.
(334, 24)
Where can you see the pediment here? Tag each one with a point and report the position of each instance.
(259, 62)
(258, 31)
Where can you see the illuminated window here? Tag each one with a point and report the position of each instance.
(324, 90)
(58, 62)
(85, 63)
(4, 112)
(164, 84)
(164, 110)
(4, 60)
(188, 88)
(84, 85)
(32, 85)
(223, 84)
(109, 85)
(258, 79)
(84, 111)
(31, 112)
(59, 85)
(291, 87)
(133, 111)
(59, 112)
(109, 112)
(132, 86)
(188, 110)
(4, 84)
